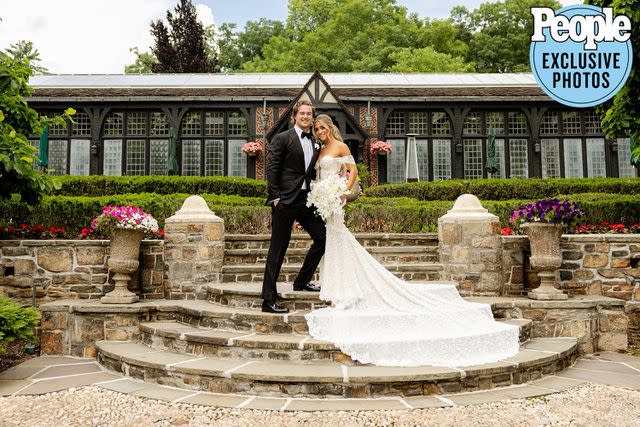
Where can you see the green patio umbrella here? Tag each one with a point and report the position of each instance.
(172, 161)
(491, 166)
(43, 148)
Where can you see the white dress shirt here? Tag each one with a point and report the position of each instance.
(307, 148)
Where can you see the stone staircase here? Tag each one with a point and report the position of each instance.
(227, 345)
(412, 257)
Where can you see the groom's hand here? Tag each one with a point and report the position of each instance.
(275, 202)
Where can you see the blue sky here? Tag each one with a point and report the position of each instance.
(90, 36)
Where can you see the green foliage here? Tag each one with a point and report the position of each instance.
(427, 60)
(17, 122)
(364, 175)
(499, 33)
(16, 323)
(506, 189)
(24, 50)
(181, 47)
(144, 63)
(236, 48)
(99, 185)
(621, 114)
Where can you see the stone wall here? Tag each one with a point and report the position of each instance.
(72, 269)
(596, 264)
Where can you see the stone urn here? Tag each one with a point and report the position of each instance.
(546, 258)
(123, 261)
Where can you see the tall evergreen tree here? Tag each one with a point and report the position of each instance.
(180, 47)
(24, 50)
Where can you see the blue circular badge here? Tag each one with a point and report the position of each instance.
(584, 66)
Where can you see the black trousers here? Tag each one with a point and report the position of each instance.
(282, 218)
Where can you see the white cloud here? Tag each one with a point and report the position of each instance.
(85, 36)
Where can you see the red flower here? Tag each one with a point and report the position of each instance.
(506, 231)
(11, 229)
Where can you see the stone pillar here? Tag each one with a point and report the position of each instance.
(471, 248)
(194, 250)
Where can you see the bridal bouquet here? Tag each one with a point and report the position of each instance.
(325, 195)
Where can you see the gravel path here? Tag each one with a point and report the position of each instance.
(586, 405)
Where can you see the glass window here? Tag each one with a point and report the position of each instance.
(625, 168)
(213, 157)
(396, 161)
(136, 123)
(419, 122)
(550, 158)
(500, 173)
(237, 159)
(422, 146)
(57, 130)
(395, 123)
(79, 164)
(237, 124)
(517, 123)
(573, 158)
(135, 157)
(441, 124)
(82, 125)
(495, 121)
(596, 162)
(57, 157)
(114, 124)
(112, 162)
(571, 122)
(519, 158)
(549, 123)
(159, 124)
(191, 123)
(472, 158)
(191, 157)
(592, 122)
(441, 159)
(471, 124)
(158, 156)
(214, 123)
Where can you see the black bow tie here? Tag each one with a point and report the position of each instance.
(306, 135)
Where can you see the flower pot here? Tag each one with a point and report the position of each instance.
(123, 261)
(252, 154)
(546, 258)
(382, 153)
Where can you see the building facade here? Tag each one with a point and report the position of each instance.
(124, 124)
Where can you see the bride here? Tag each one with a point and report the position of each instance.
(378, 318)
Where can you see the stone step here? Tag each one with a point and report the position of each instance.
(288, 272)
(384, 254)
(234, 344)
(536, 358)
(302, 240)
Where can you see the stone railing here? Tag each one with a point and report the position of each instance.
(72, 269)
(594, 264)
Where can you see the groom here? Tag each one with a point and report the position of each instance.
(290, 169)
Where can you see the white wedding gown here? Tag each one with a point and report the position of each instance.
(378, 318)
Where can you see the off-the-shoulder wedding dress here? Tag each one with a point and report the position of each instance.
(378, 318)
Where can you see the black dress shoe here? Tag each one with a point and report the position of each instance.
(273, 307)
(306, 287)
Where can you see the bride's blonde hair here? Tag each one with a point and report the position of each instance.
(328, 123)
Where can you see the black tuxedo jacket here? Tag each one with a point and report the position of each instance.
(285, 167)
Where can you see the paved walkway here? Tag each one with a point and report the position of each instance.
(56, 373)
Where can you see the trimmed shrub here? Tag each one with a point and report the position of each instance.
(100, 185)
(16, 323)
(506, 189)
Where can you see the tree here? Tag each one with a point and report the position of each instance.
(236, 48)
(181, 47)
(144, 62)
(427, 60)
(24, 49)
(621, 114)
(499, 34)
(17, 122)
(338, 36)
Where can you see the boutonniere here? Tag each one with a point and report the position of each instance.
(316, 146)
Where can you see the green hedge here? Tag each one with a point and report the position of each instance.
(16, 323)
(249, 215)
(506, 189)
(98, 185)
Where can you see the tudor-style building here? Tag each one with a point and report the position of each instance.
(123, 124)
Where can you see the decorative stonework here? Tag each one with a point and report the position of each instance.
(470, 247)
(544, 241)
(194, 250)
(123, 262)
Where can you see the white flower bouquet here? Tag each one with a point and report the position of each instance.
(325, 195)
